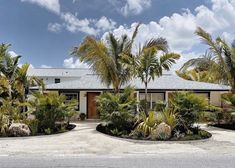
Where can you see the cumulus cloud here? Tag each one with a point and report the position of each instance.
(135, 7)
(179, 28)
(89, 26)
(51, 5)
(130, 7)
(74, 63)
(54, 27)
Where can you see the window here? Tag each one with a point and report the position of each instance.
(152, 98)
(57, 80)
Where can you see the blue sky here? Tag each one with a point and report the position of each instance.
(44, 31)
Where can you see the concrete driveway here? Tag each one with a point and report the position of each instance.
(85, 140)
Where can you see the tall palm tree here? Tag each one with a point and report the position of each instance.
(105, 58)
(23, 82)
(8, 66)
(200, 69)
(223, 55)
(151, 60)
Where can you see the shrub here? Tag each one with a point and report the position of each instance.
(169, 117)
(48, 109)
(188, 107)
(118, 108)
(82, 116)
(159, 106)
(148, 124)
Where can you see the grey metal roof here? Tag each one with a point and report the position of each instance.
(165, 82)
(58, 72)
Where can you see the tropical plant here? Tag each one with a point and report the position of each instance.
(148, 124)
(119, 109)
(105, 58)
(200, 69)
(148, 64)
(23, 82)
(169, 117)
(223, 55)
(48, 109)
(188, 107)
(8, 67)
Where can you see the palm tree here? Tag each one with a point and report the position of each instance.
(8, 66)
(150, 63)
(105, 58)
(200, 69)
(224, 56)
(23, 82)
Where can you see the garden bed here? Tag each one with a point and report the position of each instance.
(203, 135)
(224, 126)
(67, 129)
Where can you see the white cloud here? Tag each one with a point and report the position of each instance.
(135, 7)
(51, 5)
(74, 25)
(12, 53)
(88, 26)
(54, 27)
(74, 63)
(45, 66)
(179, 28)
(105, 24)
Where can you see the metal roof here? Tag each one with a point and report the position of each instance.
(58, 72)
(165, 82)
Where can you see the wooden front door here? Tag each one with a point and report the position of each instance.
(91, 105)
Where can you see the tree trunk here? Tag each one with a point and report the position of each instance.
(146, 98)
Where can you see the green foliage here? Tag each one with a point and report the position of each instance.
(33, 125)
(50, 108)
(188, 107)
(148, 124)
(105, 57)
(169, 117)
(118, 108)
(159, 106)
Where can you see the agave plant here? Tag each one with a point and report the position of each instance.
(148, 124)
(169, 117)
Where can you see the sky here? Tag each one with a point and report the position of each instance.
(43, 32)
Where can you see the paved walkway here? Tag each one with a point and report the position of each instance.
(85, 140)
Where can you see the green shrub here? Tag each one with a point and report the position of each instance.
(148, 124)
(188, 107)
(169, 117)
(50, 108)
(33, 125)
(118, 109)
(159, 106)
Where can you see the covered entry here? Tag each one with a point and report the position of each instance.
(91, 105)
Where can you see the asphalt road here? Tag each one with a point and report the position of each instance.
(121, 161)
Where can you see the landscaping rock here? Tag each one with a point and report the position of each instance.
(19, 129)
(161, 132)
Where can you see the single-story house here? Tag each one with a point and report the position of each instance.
(84, 86)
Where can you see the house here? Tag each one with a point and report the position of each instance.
(83, 85)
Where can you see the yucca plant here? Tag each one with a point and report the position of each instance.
(148, 124)
(169, 117)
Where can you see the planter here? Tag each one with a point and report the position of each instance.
(204, 135)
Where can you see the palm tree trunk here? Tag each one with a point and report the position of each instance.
(146, 98)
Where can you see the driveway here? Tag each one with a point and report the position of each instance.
(85, 140)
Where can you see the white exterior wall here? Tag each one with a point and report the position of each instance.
(215, 98)
(83, 102)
